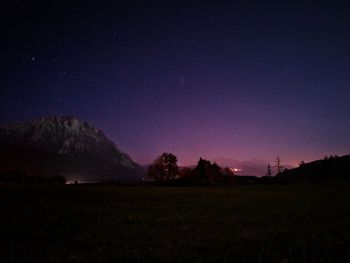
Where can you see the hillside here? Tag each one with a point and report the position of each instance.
(332, 169)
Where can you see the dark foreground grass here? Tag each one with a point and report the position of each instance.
(92, 223)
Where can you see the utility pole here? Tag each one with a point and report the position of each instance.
(269, 173)
(278, 166)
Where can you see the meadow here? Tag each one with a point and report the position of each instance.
(101, 223)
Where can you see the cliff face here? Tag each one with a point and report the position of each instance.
(67, 146)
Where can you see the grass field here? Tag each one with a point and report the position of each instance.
(93, 223)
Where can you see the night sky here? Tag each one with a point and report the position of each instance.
(197, 78)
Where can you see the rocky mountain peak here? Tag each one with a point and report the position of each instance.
(67, 146)
(64, 135)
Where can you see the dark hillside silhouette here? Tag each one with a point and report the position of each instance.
(332, 169)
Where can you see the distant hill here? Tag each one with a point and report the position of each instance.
(255, 167)
(65, 146)
(333, 169)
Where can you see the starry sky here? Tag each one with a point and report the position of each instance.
(234, 79)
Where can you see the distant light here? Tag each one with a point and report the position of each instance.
(235, 169)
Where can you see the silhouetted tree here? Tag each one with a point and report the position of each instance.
(164, 167)
(57, 179)
(301, 163)
(202, 170)
(185, 172)
(229, 175)
(12, 177)
(207, 173)
(216, 174)
(18, 177)
(155, 171)
(228, 171)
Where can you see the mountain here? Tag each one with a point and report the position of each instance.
(333, 169)
(65, 146)
(254, 167)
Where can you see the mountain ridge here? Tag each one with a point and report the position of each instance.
(67, 140)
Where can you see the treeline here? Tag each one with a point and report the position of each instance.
(165, 171)
(18, 177)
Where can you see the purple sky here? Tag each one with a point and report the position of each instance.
(196, 78)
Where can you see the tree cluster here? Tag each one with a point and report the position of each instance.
(18, 177)
(207, 173)
(165, 169)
